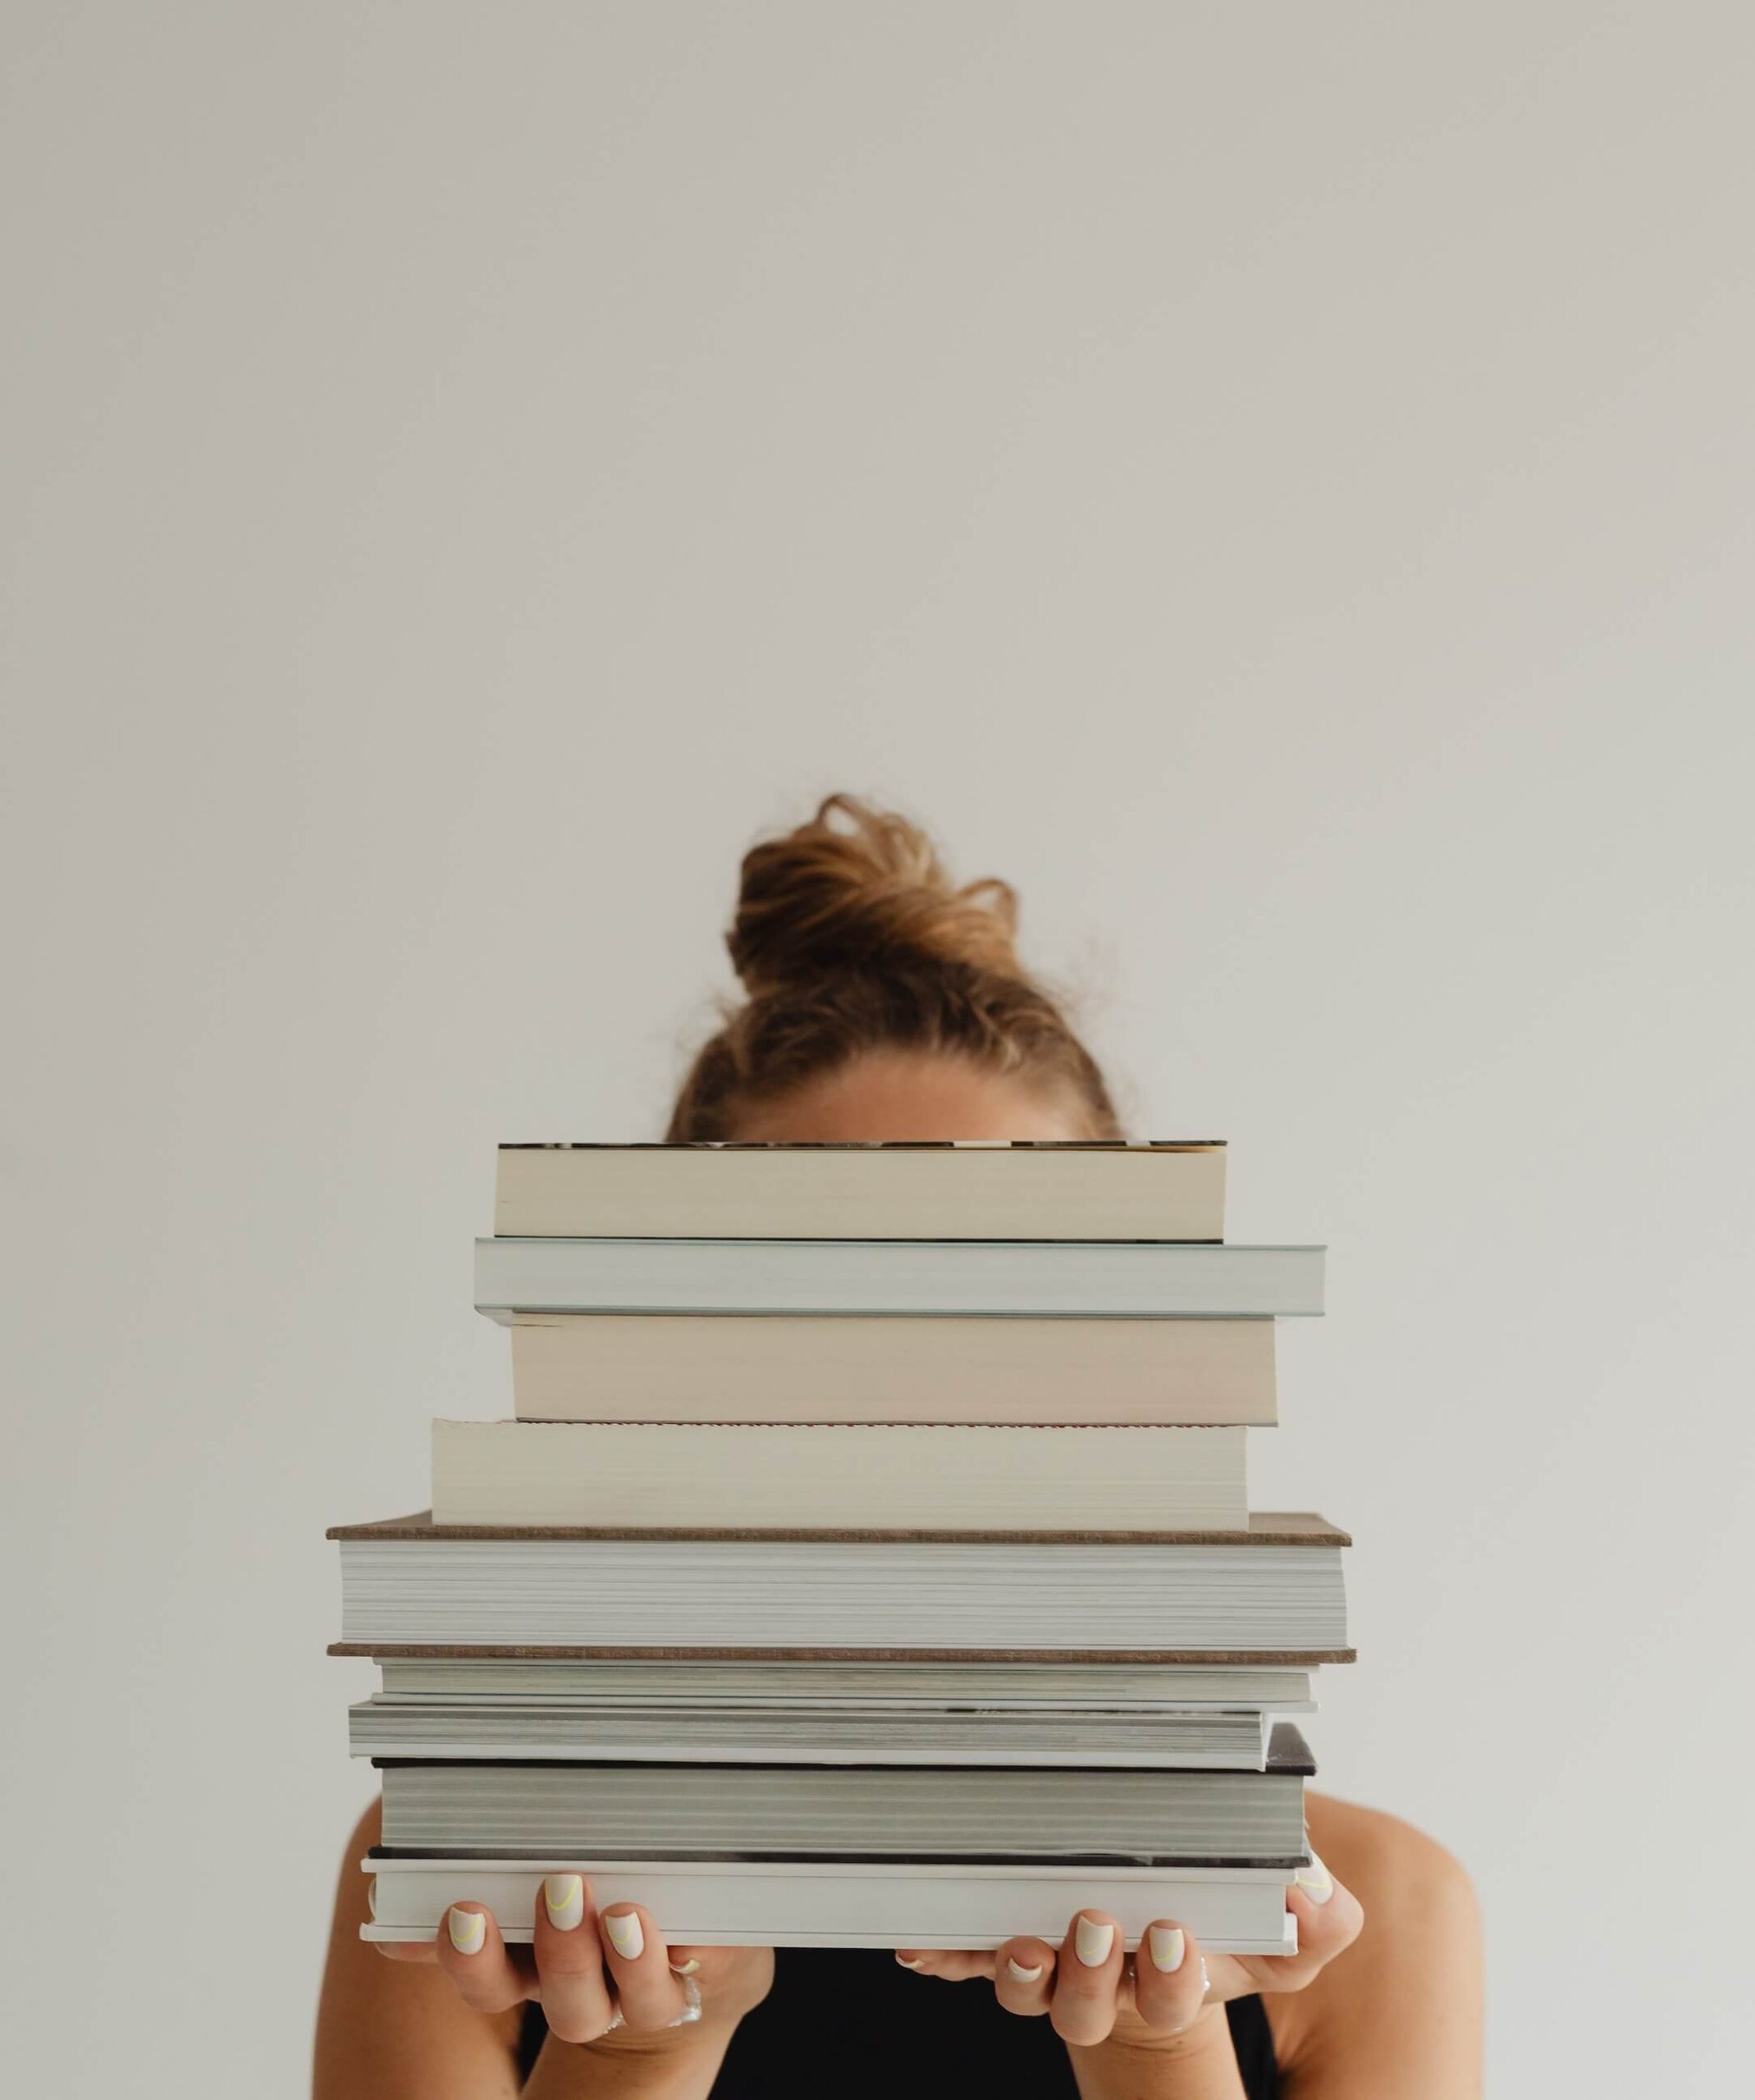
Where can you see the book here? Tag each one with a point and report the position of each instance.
(1086, 1190)
(806, 1903)
(835, 1478)
(515, 1732)
(815, 1687)
(653, 1366)
(997, 1816)
(1271, 1594)
(1036, 1278)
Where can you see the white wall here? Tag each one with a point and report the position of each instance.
(1276, 484)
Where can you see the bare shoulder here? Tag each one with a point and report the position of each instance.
(1396, 1871)
(368, 1831)
(396, 2028)
(1400, 2010)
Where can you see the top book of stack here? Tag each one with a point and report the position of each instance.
(999, 1191)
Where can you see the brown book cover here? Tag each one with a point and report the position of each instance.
(1275, 1527)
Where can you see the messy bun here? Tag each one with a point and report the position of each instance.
(849, 937)
(846, 896)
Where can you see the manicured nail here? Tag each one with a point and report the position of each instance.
(469, 1930)
(625, 1935)
(563, 1896)
(687, 1968)
(907, 1964)
(1206, 1981)
(1024, 1975)
(1316, 1881)
(1168, 1947)
(1092, 1942)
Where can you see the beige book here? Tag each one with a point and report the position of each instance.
(751, 1367)
(1087, 1190)
(837, 1477)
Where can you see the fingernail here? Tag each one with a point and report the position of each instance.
(1206, 1981)
(1168, 1945)
(469, 1930)
(687, 1968)
(563, 1895)
(1024, 1975)
(1316, 1881)
(625, 1935)
(1092, 1942)
(907, 1964)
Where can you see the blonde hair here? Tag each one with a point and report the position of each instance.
(849, 937)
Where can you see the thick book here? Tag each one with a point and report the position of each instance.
(945, 1813)
(1036, 1279)
(806, 1687)
(1270, 1595)
(609, 1366)
(1084, 1190)
(509, 1731)
(837, 1476)
(754, 1903)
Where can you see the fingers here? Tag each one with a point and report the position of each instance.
(1329, 1919)
(652, 1995)
(570, 1959)
(472, 1953)
(949, 1964)
(1169, 1985)
(1024, 1976)
(1082, 2007)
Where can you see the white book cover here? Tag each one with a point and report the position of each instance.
(1240, 1910)
(1088, 1280)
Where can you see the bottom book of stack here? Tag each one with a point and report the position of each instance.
(837, 1903)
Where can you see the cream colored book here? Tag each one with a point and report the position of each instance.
(1095, 1191)
(837, 1478)
(659, 1368)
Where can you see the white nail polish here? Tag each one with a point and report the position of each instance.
(1023, 1974)
(468, 1929)
(1092, 1942)
(1316, 1881)
(689, 1968)
(625, 1935)
(1206, 1981)
(564, 1898)
(907, 1964)
(1168, 1945)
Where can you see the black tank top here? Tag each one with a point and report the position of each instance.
(885, 2030)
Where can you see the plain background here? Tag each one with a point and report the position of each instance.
(1275, 483)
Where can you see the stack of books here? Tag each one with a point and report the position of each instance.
(870, 1562)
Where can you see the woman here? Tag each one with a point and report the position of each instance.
(884, 1004)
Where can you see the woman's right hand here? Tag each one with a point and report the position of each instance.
(584, 1965)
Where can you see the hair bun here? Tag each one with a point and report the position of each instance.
(854, 886)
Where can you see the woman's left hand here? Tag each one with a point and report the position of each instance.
(1093, 1992)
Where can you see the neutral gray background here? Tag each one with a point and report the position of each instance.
(1275, 483)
